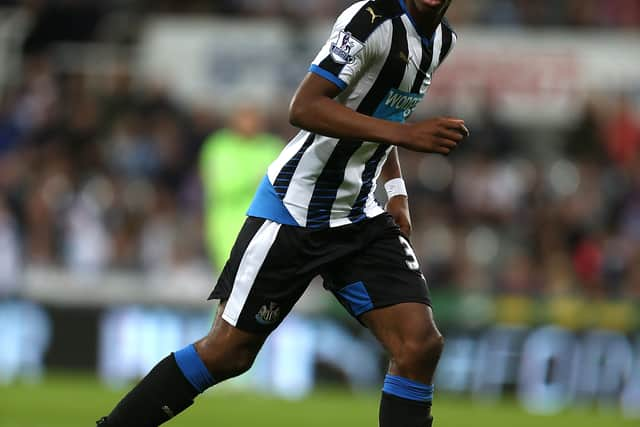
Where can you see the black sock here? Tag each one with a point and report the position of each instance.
(161, 395)
(405, 403)
(398, 412)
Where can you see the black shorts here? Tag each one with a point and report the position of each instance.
(366, 265)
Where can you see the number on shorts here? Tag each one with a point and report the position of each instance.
(412, 261)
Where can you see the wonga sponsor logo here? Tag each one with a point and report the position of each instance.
(397, 106)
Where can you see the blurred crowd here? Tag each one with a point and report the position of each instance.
(104, 175)
(98, 177)
(100, 174)
(579, 13)
(498, 12)
(118, 19)
(521, 212)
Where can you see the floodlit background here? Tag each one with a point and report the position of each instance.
(122, 122)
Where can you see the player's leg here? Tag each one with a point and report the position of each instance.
(260, 284)
(382, 286)
(410, 336)
(228, 351)
(172, 385)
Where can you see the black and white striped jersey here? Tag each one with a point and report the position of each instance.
(384, 67)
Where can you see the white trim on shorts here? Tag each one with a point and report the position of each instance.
(250, 264)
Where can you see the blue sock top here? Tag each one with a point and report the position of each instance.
(407, 389)
(193, 368)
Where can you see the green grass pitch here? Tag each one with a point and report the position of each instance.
(74, 401)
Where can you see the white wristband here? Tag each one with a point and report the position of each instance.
(395, 187)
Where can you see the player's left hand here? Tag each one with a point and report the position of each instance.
(398, 208)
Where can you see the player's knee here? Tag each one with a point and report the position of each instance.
(227, 361)
(436, 343)
(419, 351)
(237, 363)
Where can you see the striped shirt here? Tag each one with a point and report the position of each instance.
(384, 67)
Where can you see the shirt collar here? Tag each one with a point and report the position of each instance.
(426, 40)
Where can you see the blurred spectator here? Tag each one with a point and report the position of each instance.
(587, 260)
(232, 163)
(584, 140)
(10, 258)
(622, 134)
(87, 242)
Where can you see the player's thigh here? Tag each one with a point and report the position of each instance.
(263, 278)
(383, 273)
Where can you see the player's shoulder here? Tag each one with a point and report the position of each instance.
(446, 26)
(362, 18)
(449, 39)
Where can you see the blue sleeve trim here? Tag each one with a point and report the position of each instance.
(193, 368)
(407, 389)
(327, 75)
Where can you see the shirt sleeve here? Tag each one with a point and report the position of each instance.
(449, 39)
(349, 47)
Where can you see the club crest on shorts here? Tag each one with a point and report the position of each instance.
(168, 411)
(270, 315)
(345, 48)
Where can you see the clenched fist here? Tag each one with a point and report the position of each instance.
(440, 135)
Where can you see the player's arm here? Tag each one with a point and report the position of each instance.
(314, 108)
(398, 203)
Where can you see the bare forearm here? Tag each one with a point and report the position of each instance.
(328, 117)
(391, 168)
(315, 109)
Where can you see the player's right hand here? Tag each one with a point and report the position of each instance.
(441, 135)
